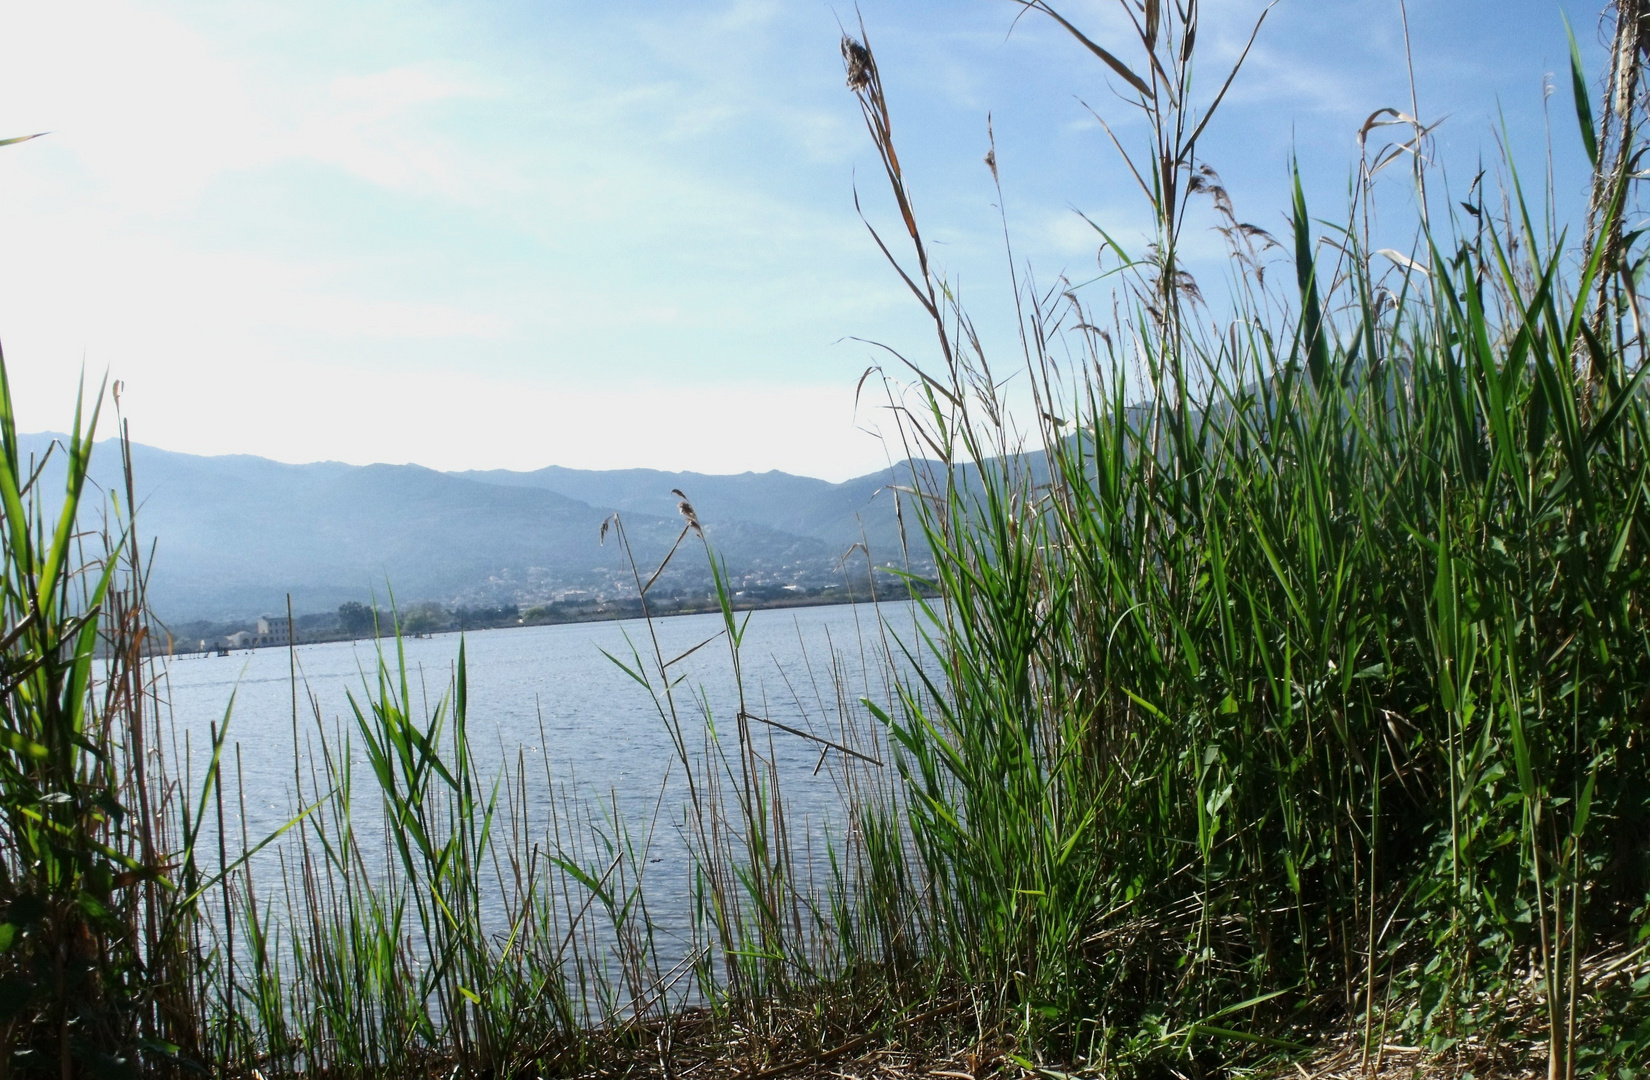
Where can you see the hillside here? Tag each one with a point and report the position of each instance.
(799, 505)
(233, 535)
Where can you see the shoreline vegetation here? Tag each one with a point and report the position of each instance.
(1287, 713)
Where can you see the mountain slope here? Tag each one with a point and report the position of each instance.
(801, 505)
(234, 535)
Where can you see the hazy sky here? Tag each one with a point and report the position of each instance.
(608, 234)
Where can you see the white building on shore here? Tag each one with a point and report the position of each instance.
(272, 631)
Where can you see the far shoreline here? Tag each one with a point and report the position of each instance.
(601, 611)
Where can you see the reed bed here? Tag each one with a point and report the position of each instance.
(1282, 708)
(1294, 659)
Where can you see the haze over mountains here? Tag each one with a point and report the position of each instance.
(234, 535)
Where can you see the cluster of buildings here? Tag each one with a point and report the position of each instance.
(265, 632)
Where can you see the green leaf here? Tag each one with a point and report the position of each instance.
(1312, 328)
(8, 934)
(589, 881)
(18, 744)
(91, 906)
(1584, 805)
(1216, 1032)
(162, 1047)
(1584, 107)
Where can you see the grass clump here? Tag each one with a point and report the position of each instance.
(98, 889)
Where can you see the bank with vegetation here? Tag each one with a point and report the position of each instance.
(355, 621)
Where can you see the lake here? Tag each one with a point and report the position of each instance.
(586, 734)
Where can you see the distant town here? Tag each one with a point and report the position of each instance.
(354, 620)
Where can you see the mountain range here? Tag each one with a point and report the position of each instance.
(233, 536)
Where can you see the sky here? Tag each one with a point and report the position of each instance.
(622, 234)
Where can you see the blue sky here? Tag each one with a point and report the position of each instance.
(621, 234)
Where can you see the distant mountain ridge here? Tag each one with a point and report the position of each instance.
(799, 505)
(235, 534)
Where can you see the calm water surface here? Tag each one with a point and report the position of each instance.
(549, 699)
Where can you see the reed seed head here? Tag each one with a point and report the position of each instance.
(860, 65)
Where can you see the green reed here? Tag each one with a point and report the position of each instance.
(1297, 683)
(100, 878)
